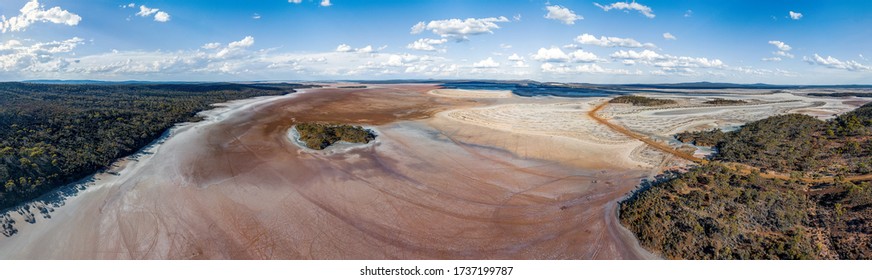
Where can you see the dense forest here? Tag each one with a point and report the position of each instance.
(641, 100)
(56, 134)
(716, 212)
(319, 136)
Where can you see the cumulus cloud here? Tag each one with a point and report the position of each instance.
(795, 15)
(562, 14)
(159, 16)
(366, 49)
(579, 69)
(582, 56)
(24, 60)
(17, 56)
(210, 46)
(669, 36)
(486, 63)
(665, 61)
(604, 41)
(234, 48)
(344, 48)
(780, 45)
(783, 51)
(460, 29)
(832, 62)
(146, 11)
(33, 12)
(326, 3)
(519, 62)
(645, 10)
(426, 44)
(553, 54)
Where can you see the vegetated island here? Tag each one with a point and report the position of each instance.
(55, 134)
(641, 100)
(721, 101)
(319, 136)
(716, 212)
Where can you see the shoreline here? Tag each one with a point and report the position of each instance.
(338, 147)
(22, 216)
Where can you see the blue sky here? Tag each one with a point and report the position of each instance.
(647, 41)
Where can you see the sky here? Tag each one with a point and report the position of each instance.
(601, 41)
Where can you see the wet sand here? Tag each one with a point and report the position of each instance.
(234, 187)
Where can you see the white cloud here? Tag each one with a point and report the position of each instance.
(832, 62)
(16, 56)
(578, 69)
(795, 15)
(33, 12)
(326, 3)
(645, 10)
(161, 16)
(343, 48)
(244, 43)
(669, 36)
(582, 56)
(517, 17)
(210, 46)
(347, 48)
(235, 48)
(553, 54)
(783, 49)
(486, 63)
(505, 46)
(688, 13)
(515, 57)
(255, 16)
(562, 14)
(460, 29)
(604, 41)
(146, 11)
(295, 1)
(667, 62)
(426, 44)
(783, 53)
(367, 49)
(780, 45)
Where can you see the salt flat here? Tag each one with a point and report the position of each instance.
(451, 176)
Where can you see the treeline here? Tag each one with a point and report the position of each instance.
(641, 100)
(321, 135)
(721, 101)
(716, 212)
(51, 134)
(838, 147)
